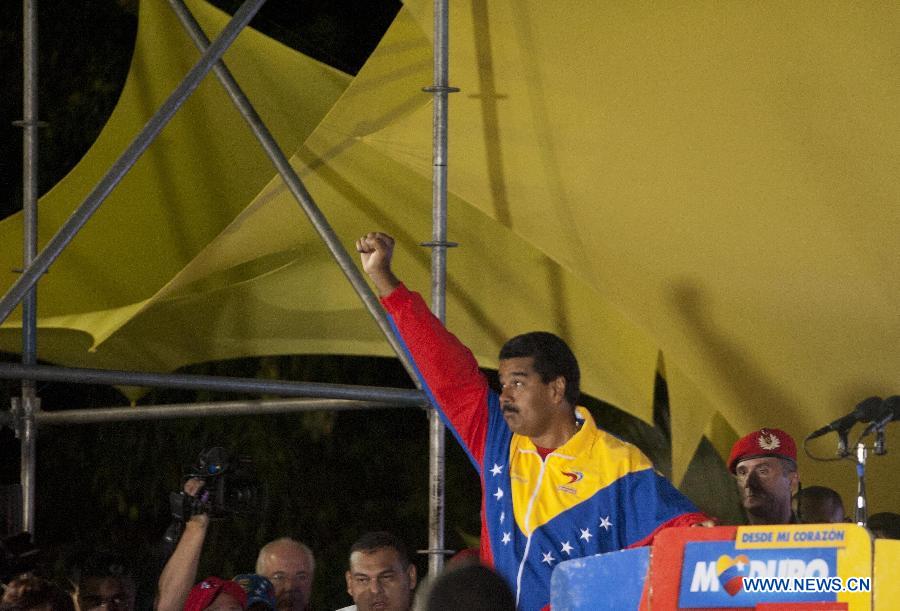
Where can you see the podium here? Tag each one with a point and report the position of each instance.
(803, 567)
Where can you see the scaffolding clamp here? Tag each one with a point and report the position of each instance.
(440, 89)
(439, 244)
(22, 414)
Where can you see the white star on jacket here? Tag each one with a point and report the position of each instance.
(605, 523)
(566, 548)
(506, 538)
(499, 494)
(496, 470)
(585, 534)
(548, 558)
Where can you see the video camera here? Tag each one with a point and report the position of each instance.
(230, 486)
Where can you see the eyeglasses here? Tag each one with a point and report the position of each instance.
(90, 601)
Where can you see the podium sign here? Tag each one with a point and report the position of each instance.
(802, 567)
(808, 566)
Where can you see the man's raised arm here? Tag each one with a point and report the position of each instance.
(448, 368)
(180, 571)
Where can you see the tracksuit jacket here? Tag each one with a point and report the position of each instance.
(594, 494)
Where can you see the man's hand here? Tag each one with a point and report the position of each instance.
(376, 250)
(192, 487)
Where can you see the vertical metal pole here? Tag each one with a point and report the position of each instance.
(440, 90)
(27, 432)
(861, 513)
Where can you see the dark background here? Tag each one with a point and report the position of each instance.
(330, 476)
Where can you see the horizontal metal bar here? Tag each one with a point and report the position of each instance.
(202, 410)
(46, 373)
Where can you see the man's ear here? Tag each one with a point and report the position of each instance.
(795, 483)
(411, 573)
(349, 579)
(558, 387)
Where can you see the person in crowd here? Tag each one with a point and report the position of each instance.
(380, 575)
(819, 505)
(554, 485)
(469, 586)
(884, 525)
(287, 563)
(216, 594)
(104, 582)
(290, 566)
(764, 465)
(260, 591)
(31, 593)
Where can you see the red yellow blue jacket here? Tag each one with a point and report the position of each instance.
(593, 494)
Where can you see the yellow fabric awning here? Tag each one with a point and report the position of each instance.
(712, 182)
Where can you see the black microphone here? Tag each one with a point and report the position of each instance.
(865, 410)
(890, 411)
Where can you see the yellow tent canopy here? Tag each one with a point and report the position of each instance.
(710, 186)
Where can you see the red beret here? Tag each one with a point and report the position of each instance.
(764, 442)
(204, 593)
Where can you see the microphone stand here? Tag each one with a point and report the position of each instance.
(861, 513)
(878, 413)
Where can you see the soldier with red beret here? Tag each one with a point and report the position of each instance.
(764, 464)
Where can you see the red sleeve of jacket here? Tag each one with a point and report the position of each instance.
(448, 368)
(685, 519)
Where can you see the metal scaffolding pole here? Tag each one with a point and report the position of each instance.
(25, 428)
(96, 415)
(397, 396)
(440, 91)
(298, 190)
(124, 163)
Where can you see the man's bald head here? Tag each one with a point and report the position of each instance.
(290, 566)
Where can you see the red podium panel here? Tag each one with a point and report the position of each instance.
(824, 567)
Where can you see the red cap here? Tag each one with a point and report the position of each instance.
(764, 442)
(204, 593)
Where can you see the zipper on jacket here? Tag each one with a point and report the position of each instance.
(537, 487)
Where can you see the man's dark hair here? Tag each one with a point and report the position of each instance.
(820, 494)
(470, 588)
(104, 563)
(552, 358)
(817, 502)
(378, 539)
(885, 525)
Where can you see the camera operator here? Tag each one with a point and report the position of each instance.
(287, 563)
